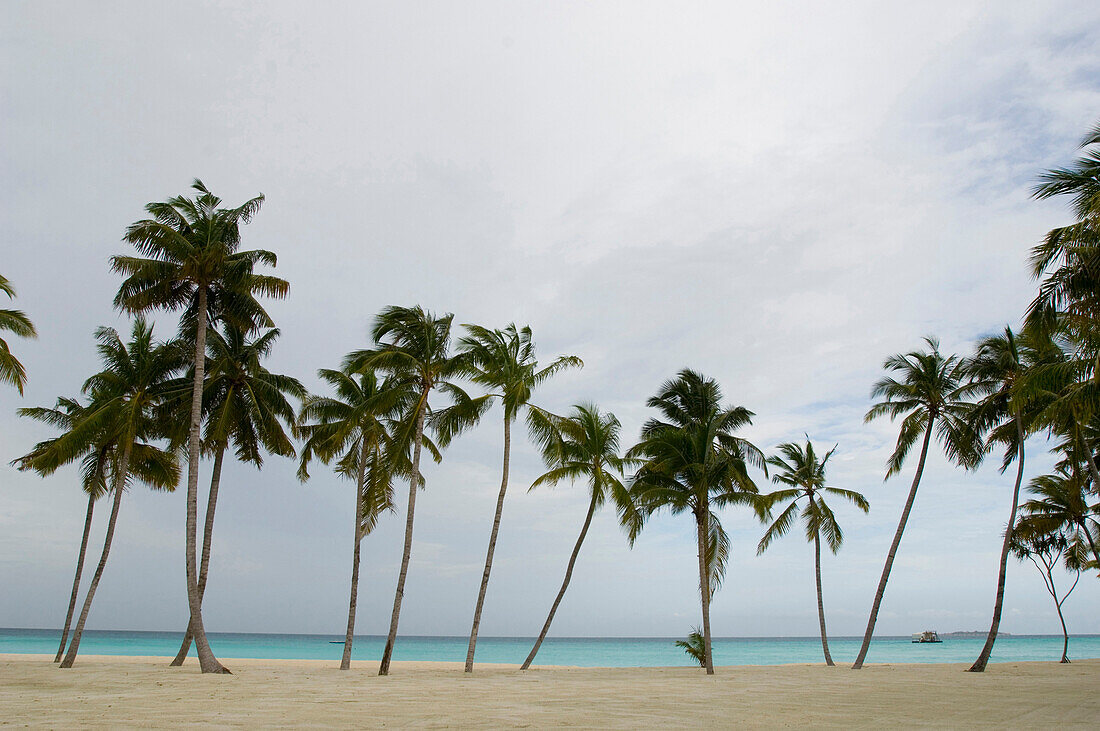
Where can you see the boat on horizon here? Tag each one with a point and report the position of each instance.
(929, 635)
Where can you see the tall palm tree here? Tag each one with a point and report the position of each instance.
(246, 406)
(931, 394)
(414, 343)
(17, 323)
(1004, 415)
(504, 362)
(191, 259)
(804, 473)
(694, 461)
(123, 411)
(356, 427)
(44, 460)
(582, 446)
(1046, 550)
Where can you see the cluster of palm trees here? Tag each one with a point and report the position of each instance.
(1044, 379)
(156, 403)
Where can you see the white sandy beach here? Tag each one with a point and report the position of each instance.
(105, 691)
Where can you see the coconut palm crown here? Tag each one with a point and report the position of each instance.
(16, 322)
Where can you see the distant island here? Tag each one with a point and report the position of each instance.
(981, 633)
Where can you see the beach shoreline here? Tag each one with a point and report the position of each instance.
(111, 691)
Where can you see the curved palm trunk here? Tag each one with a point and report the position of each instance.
(76, 579)
(987, 649)
(349, 634)
(120, 483)
(893, 550)
(564, 584)
(820, 603)
(207, 539)
(207, 662)
(492, 548)
(1065, 632)
(391, 638)
(704, 585)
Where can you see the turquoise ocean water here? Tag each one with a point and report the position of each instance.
(578, 651)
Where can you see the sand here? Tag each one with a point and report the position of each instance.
(105, 691)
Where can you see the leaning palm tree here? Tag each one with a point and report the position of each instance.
(191, 259)
(1004, 415)
(246, 407)
(17, 323)
(931, 395)
(504, 362)
(583, 446)
(414, 343)
(44, 459)
(356, 428)
(804, 474)
(694, 462)
(123, 411)
(1046, 549)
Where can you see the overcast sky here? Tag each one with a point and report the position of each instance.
(779, 195)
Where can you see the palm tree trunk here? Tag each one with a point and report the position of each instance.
(564, 584)
(207, 662)
(1065, 632)
(492, 548)
(987, 649)
(120, 483)
(76, 579)
(349, 634)
(391, 638)
(1058, 606)
(858, 664)
(820, 603)
(207, 539)
(704, 585)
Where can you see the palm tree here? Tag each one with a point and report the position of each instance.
(504, 362)
(16, 322)
(931, 394)
(1046, 549)
(1005, 415)
(1069, 256)
(191, 259)
(805, 475)
(43, 459)
(414, 343)
(246, 406)
(356, 427)
(1060, 506)
(695, 462)
(694, 647)
(585, 446)
(123, 412)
